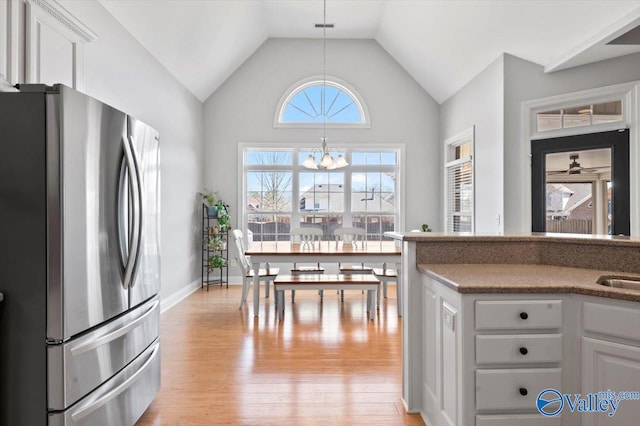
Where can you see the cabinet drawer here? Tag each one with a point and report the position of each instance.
(520, 348)
(518, 419)
(611, 320)
(518, 314)
(514, 388)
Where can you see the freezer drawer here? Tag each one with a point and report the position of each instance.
(120, 401)
(81, 365)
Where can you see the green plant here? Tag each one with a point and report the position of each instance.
(209, 197)
(224, 220)
(425, 228)
(217, 261)
(215, 242)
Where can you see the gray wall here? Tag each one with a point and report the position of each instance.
(120, 72)
(243, 108)
(525, 81)
(480, 102)
(492, 102)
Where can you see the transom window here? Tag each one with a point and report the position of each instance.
(315, 102)
(280, 194)
(582, 115)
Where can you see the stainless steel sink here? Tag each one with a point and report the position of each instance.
(620, 281)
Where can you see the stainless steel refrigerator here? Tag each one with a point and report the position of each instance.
(79, 260)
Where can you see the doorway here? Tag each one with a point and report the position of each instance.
(580, 184)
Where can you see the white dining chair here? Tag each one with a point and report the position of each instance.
(350, 235)
(311, 238)
(385, 275)
(354, 236)
(265, 275)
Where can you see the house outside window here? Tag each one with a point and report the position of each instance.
(459, 183)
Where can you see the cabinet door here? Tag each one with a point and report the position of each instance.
(450, 369)
(429, 350)
(615, 367)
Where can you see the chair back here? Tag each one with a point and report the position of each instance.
(238, 238)
(306, 236)
(350, 236)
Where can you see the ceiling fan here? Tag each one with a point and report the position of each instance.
(575, 168)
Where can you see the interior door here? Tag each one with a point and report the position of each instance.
(145, 143)
(616, 141)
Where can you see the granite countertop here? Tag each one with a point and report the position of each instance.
(526, 278)
(461, 237)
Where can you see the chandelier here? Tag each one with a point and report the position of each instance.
(327, 162)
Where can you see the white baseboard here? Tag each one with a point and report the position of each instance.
(173, 299)
(177, 297)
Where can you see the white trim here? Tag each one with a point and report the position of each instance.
(54, 16)
(4, 39)
(336, 82)
(62, 15)
(14, 56)
(457, 139)
(173, 299)
(629, 93)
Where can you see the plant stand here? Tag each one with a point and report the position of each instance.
(217, 275)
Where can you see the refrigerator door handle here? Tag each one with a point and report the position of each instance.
(113, 335)
(139, 213)
(134, 228)
(90, 406)
(124, 215)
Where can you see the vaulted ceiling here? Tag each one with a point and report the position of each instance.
(442, 44)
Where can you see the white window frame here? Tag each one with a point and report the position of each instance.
(296, 168)
(467, 135)
(628, 93)
(330, 81)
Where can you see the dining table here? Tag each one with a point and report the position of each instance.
(369, 252)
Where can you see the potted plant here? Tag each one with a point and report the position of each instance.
(223, 216)
(425, 228)
(217, 261)
(216, 242)
(210, 199)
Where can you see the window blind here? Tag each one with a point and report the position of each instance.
(460, 195)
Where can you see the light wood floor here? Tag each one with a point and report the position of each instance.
(325, 364)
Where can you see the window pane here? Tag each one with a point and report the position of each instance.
(269, 157)
(463, 150)
(319, 103)
(551, 120)
(318, 193)
(578, 116)
(327, 222)
(607, 112)
(373, 158)
(388, 182)
(375, 225)
(269, 191)
(388, 159)
(569, 207)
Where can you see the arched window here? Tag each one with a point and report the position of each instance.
(314, 101)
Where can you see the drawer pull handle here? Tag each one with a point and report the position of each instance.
(524, 351)
(523, 391)
(524, 315)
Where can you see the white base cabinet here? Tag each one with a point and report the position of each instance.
(611, 359)
(486, 357)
